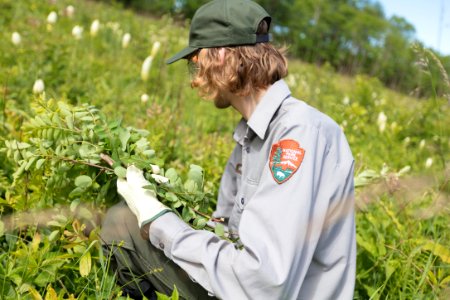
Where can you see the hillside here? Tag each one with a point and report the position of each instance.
(400, 144)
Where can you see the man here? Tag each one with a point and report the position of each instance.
(286, 194)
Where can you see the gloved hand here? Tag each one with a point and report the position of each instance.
(142, 202)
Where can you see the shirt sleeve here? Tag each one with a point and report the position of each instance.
(280, 229)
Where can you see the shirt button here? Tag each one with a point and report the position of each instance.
(161, 245)
(242, 201)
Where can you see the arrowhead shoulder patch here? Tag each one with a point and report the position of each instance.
(286, 156)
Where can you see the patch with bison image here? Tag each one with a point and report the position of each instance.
(286, 157)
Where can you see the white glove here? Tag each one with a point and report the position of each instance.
(142, 202)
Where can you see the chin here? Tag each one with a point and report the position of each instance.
(220, 102)
(222, 105)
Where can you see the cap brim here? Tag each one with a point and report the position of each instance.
(182, 54)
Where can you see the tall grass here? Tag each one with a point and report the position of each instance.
(402, 218)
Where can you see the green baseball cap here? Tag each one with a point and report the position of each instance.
(222, 23)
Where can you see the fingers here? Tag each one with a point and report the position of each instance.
(135, 176)
(133, 173)
(122, 187)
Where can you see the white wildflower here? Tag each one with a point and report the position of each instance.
(346, 100)
(70, 11)
(403, 171)
(155, 169)
(77, 32)
(407, 140)
(95, 26)
(422, 144)
(38, 86)
(146, 67)
(144, 98)
(160, 179)
(52, 18)
(381, 121)
(428, 162)
(126, 40)
(16, 39)
(155, 48)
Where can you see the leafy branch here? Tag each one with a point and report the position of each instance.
(75, 153)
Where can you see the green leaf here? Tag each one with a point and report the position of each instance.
(114, 124)
(39, 163)
(51, 294)
(177, 204)
(76, 192)
(172, 175)
(161, 296)
(190, 186)
(86, 150)
(45, 276)
(83, 181)
(438, 250)
(19, 146)
(142, 144)
(149, 153)
(368, 246)
(120, 171)
(69, 122)
(35, 294)
(85, 264)
(219, 230)
(124, 136)
(175, 295)
(30, 163)
(196, 174)
(200, 222)
(390, 267)
(187, 214)
(171, 197)
(445, 281)
(53, 236)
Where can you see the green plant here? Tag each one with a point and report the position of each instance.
(75, 154)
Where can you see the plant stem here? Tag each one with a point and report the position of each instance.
(220, 220)
(79, 162)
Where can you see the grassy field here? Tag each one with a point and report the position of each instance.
(400, 144)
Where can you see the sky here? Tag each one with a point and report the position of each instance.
(431, 19)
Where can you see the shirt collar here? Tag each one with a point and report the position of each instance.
(264, 111)
(267, 107)
(240, 131)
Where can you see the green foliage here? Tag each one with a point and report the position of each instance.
(174, 296)
(54, 185)
(394, 263)
(353, 36)
(65, 151)
(35, 261)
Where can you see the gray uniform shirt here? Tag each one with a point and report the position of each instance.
(287, 194)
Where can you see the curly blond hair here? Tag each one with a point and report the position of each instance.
(247, 69)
